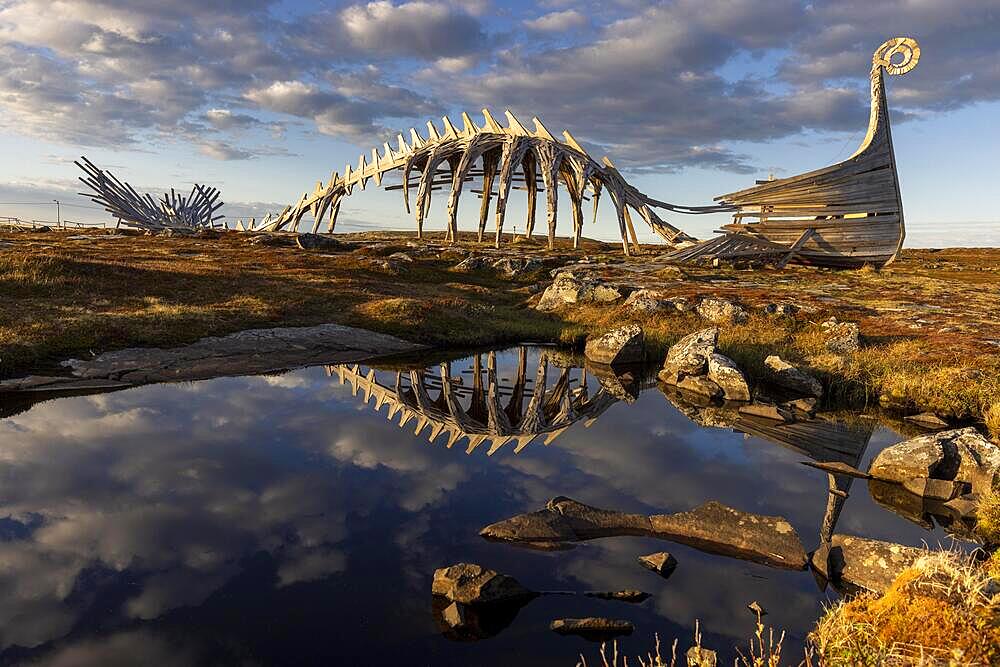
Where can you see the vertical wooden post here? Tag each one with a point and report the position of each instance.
(531, 183)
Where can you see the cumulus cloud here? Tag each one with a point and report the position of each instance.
(424, 29)
(569, 19)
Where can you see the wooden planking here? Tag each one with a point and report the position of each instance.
(807, 213)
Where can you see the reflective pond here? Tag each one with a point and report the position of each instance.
(285, 520)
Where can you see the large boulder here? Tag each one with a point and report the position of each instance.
(857, 563)
(317, 242)
(841, 337)
(721, 311)
(960, 455)
(716, 528)
(515, 266)
(787, 376)
(724, 372)
(620, 346)
(689, 356)
(472, 584)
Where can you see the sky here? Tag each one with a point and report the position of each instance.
(690, 99)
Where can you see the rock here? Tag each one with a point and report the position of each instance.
(647, 302)
(682, 304)
(400, 257)
(317, 242)
(454, 615)
(841, 337)
(964, 506)
(620, 596)
(471, 263)
(893, 497)
(697, 656)
(721, 311)
(472, 584)
(699, 384)
(935, 489)
(513, 266)
(620, 346)
(660, 562)
(451, 254)
(41, 228)
(271, 240)
(605, 293)
(388, 265)
(927, 420)
(716, 528)
(711, 527)
(767, 411)
(593, 629)
(961, 455)
(786, 309)
(566, 520)
(791, 378)
(852, 563)
(806, 406)
(689, 356)
(566, 289)
(724, 372)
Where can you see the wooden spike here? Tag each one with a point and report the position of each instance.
(540, 131)
(432, 131)
(468, 127)
(491, 123)
(449, 130)
(403, 148)
(416, 139)
(572, 142)
(514, 125)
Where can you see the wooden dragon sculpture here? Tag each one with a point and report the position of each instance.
(499, 157)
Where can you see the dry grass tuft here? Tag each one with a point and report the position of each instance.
(936, 613)
(988, 518)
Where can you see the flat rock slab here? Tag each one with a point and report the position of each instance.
(594, 629)
(244, 353)
(854, 563)
(711, 527)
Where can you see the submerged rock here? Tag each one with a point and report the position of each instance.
(460, 622)
(767, 411)
(927, 420)
(787, 376)
(621, 596)
(473, 584)
(711, 527)
(724, 372)
(620, 346)
(853, 563)
(593, 629)
(689, 356)
(716, 528)
(566, 520)
(961, 455)
(721, 311)
(660, 562)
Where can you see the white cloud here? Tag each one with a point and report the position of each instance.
(569, 19)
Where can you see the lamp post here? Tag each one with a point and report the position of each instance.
(58, 215)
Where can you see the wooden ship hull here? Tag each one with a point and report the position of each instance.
(847, 214)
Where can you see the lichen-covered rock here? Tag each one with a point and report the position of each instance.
(787, 376)
(470, 584)
(853, 563)
(514, 266)
(841, 337)
(716, 528)
(660, 562)
(724, 372)
(721, 311)
(647, 302)
(961, 455)
(689, 356)
(605, 293)
(566, 289)
(471, 263)
(620, 346)
(700, 384)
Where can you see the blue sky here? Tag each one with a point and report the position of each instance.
(691, 98)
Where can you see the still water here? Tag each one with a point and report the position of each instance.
(283, 520)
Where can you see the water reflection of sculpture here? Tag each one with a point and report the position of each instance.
(479, 412)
